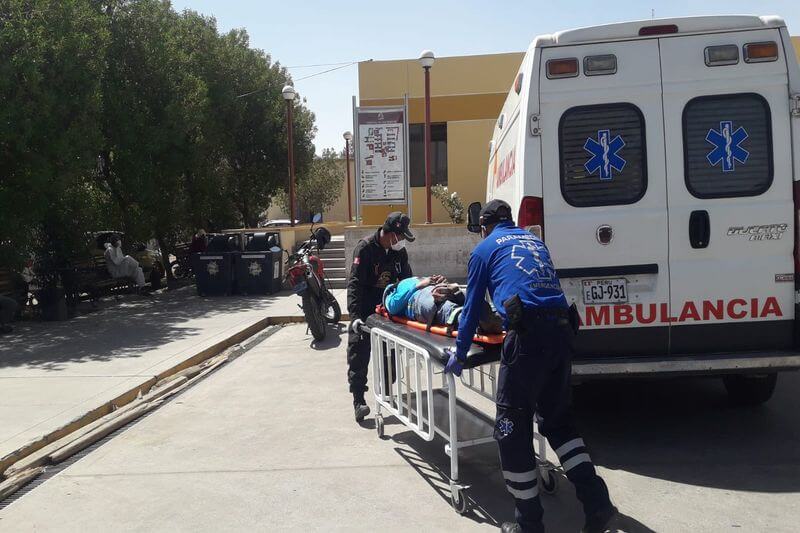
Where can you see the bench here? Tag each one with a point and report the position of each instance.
(94, 280)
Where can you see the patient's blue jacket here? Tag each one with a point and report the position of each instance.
(508, 261)
(397, 302)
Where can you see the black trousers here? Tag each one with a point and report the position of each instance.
(534, 377)
(358, 353)
(358, 356)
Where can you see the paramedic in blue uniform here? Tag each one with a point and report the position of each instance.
(378, 261)
(535, 366)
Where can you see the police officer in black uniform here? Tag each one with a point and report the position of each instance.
(378, 261)
(535, 366)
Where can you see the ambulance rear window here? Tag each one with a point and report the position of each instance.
(602, 151)
(727, 143)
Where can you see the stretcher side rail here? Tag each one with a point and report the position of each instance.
(405, 364)
(409, 397)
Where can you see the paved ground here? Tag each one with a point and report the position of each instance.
(268, 443)
(53, 372)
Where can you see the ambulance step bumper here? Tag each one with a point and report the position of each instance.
(738, 363)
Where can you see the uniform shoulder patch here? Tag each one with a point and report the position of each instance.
(357, 260)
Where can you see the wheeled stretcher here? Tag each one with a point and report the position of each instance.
(407, 363)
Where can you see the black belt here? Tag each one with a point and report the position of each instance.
(542, 317)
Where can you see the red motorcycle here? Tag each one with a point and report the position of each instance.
(306, 276)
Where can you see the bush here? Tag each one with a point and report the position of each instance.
(451, 202)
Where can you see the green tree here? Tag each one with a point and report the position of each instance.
(154, 110)
(319, 187)
(50, 103)
(254, 149)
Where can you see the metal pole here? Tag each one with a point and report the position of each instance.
(406, 156)
(291, 161)
(347, 164)
(428, 142)
(356, 161)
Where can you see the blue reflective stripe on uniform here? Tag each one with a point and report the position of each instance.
(520, 477)
(525, 494)
(569, 464)
(569, 446)
(509, 261)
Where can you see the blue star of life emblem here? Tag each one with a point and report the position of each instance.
(605, 154)
(505, 426)
(727, 146)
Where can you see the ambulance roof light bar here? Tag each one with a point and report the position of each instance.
(663, 29)
(562, 68)
(726, 54)
(760, 52)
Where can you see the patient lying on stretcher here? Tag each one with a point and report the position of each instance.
(434, 301)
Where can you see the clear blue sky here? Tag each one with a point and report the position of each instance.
(306, 32)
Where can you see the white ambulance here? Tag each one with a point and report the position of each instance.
(660, 160)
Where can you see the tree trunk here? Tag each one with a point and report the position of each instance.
(165, 251)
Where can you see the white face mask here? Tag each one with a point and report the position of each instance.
(399, 245)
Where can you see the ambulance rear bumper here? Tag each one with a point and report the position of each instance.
(709, 364)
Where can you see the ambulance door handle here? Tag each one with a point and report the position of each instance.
(699, 229)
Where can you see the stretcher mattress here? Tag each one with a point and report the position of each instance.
(435, 344)
(495, 338)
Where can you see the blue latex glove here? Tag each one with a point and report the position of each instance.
(454, 364)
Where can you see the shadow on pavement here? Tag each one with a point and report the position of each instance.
(685, 431)
(488, 500)
(122, 329)
(333, 338)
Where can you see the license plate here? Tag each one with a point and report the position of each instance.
(300, 287)
(605, 291)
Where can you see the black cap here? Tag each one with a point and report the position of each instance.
(495, 211)
(398, 222)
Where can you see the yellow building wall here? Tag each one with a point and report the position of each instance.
(467, 93)
(467, 160)
(450, 76)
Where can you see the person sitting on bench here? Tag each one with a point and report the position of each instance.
(433, 300)
(122, 266)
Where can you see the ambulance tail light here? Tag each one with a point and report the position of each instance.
(531, 214)
(760, 52)
(662, 29)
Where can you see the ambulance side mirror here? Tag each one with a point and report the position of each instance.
(473, 217)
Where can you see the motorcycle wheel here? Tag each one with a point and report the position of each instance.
(314, 317)
(333, 312)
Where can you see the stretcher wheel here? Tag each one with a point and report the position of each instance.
(379, 426)
(457, 500)
(549, 481)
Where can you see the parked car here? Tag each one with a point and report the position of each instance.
(278, 223)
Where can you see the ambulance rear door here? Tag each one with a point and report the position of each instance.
(729, 182)
(605, 214)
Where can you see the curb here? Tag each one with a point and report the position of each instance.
(24, 464)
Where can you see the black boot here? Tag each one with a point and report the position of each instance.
(511, 527)
(360, 407)
(600, 521)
